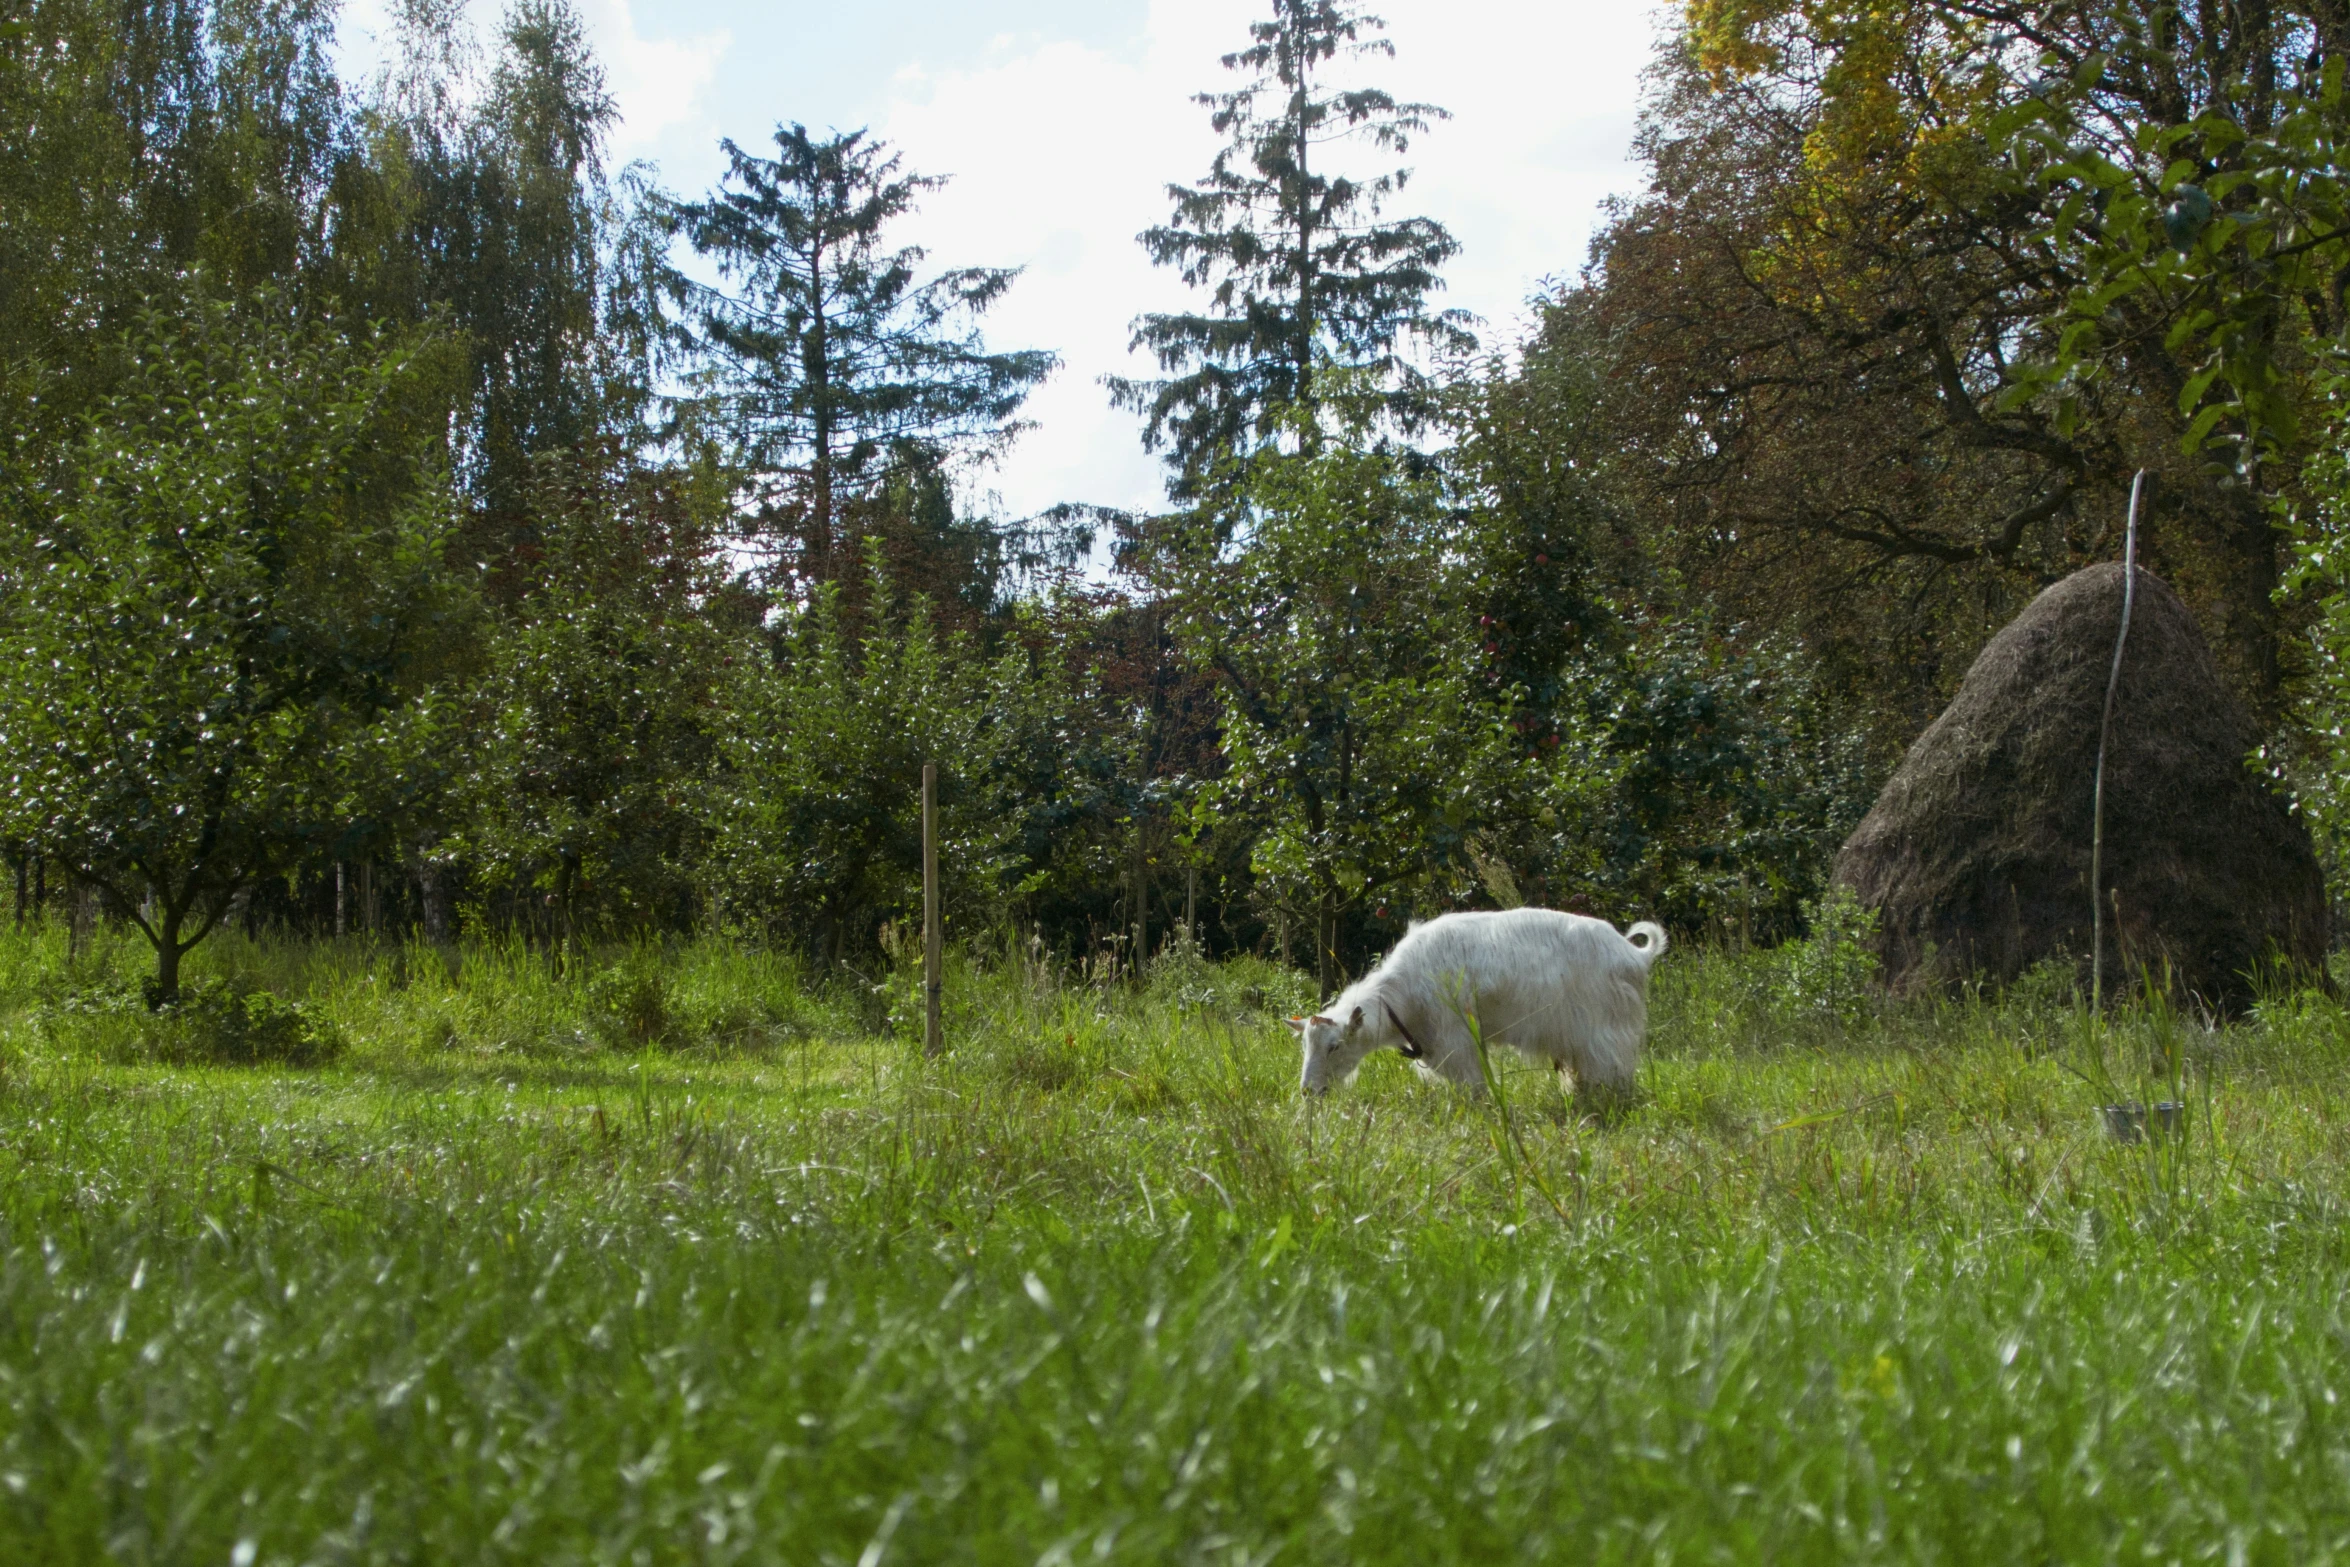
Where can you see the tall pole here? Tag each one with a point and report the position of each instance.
(933, 1035)
(2113, 685)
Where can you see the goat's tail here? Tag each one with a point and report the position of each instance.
(1648, 939)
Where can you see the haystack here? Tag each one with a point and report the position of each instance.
(1976, 856)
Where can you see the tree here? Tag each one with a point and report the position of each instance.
(1363, 737)
(830, 364)
(1919, 285)
(485, 203)
(221, 618)
(1310, 292)
(137, 142)
(601, 700)
(819, 816)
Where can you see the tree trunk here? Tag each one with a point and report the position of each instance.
(23, 885)
(167, 956)
(819, 366)
(342, 917)
(80, 915)
(1326, 944)
(431, 904)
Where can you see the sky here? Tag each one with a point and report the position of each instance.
(1060, 123)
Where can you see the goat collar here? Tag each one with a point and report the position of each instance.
(1411, 1046)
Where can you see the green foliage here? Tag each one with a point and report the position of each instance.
(1312, 295)
(1365, 745)
(220, 618)
(830, 368)
(1082, 1281)
(2314, 761)
(2227, 224)
(631, 1003)
(138, 142)
(1733, 780)
(483, 207)
(211, 1023)
(819, 820)
(601, 697)
(1831, 971)
(1733, 772)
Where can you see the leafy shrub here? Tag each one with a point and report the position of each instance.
(629, 1005)
(1832, 972)
(212, 1024)
(1235, 987)
(2049, 987)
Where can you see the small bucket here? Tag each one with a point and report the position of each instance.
(2131, 1123)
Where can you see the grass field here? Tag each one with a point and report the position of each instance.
(678, 1261)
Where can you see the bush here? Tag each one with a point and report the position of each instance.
(1832, 972)
(1182, 977)
(629, 1005)
(212, 1024)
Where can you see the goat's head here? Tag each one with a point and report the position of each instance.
(1332, 1049)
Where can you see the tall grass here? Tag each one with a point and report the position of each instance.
(681, 1255)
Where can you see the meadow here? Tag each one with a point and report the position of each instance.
(676, 1256)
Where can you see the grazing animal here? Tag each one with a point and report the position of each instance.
(1561, 988)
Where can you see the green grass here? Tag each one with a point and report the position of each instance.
(672, 1260)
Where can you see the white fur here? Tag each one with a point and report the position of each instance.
(1561, 988)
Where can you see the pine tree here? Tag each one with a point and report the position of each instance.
(829, 364)
(1311, 293)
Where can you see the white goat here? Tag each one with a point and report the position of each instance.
(1561, 988)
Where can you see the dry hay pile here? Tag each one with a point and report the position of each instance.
(1976, 856)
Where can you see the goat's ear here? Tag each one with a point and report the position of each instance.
(1297, 1023)
(1356, 1021)
(1325, 1022)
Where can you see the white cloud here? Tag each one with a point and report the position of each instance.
(1061, 154)
(659, 83)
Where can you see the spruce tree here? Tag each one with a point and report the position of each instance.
(829, 364)
(1311, 291)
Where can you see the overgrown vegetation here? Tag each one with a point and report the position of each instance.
(499, 667)
(673, 1259)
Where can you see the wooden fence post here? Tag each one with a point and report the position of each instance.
(933, 1035)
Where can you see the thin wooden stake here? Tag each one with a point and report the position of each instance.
(2113, 685)
(933, 957)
